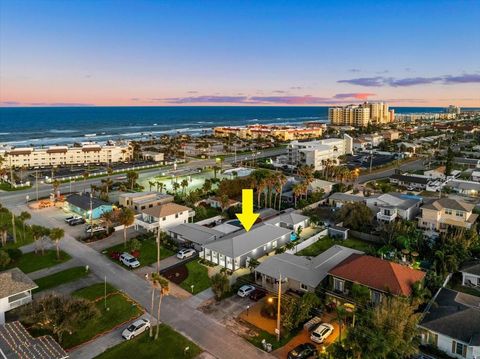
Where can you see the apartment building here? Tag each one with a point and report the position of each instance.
(281, 133)
(445, 212)
(84, 153)
(319, 153)
(163, 217)
(361, 115)
(139, 201)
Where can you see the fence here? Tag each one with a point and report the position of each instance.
(209, 220)
(307, 242)
(365, 236)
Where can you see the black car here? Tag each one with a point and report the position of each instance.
(76, 221)
(303, 351)
(257, 294)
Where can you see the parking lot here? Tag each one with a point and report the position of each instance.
(363, 160)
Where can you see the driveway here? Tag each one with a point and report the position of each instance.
(193, 324)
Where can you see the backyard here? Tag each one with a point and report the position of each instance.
(66, 276)
(326, 242)
(31, 262)
(170, 344)
(148, 252)
(119, 309)
(186, 275)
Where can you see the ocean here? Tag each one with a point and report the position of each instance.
(35, 126)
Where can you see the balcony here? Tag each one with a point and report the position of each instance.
(386, 217)
(19, 300)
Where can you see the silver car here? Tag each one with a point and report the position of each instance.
(136, 328)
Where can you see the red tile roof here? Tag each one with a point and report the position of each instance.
(378, 274)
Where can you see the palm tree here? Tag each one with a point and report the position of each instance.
(260, 189)
(107, 183)
(132, 178)
(108, 218)
(24, 216)
(14, 228)
(215, 170)
(207, 186)
(282, 180)
(160, 186)
(126, 218)
(175, 187)
(184, 185)
(56, 235)
(55, 185)
(297, 192)
(307, 173)
(151, 184)
(341, 316)
(164, 290)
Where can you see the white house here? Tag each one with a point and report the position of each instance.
(452, 324)
(395, 205)
(15, 290)
(471, 275)
(165, 216)
(476, 176)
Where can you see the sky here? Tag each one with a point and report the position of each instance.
(164, 53)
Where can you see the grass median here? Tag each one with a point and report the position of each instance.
(56, 279)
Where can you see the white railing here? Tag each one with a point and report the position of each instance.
(21, 301)
(384, 217)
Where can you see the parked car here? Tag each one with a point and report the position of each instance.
(129, 260)
(71, 218)
(95, 229)
(245, 290)
(322, 332)
(186, 253)
(76, 221)
(302, 351)
(136, 328)
(257, 294)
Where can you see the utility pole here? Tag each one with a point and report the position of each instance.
(91, 216)
(36, 183)
(371, 160)
(278, 307)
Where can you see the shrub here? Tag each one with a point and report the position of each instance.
(4, 259)
(220, 285)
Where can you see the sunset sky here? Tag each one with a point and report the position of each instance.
(161, 53)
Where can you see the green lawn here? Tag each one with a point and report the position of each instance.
(119, 309)
(68, 275)
(148, 252)
(270, 338)
(31, 262)
(169, 345)
(4, 186)
(198, 276)
(324, 243)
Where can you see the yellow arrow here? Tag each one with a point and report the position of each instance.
(247, 217)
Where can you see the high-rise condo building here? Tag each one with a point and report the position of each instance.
(360, 115)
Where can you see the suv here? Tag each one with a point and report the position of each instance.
(245, 290)
(185, 253)
(257, 294)
(129, 260)
(302, 351)
(72, 218)
(76, 221)
(136, 328)
(322, 332)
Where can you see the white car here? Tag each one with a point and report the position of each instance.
(185, 253)
(71, 218)
(136, 328)
(129, 260)
(95, 229)
(322, 332)
(245, 290)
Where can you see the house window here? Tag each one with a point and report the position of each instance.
(375, 296)
(176, 215)
(459, 348)
(265, 247)
(303, 286)
(459, 213)
(164, 218)
(448, 211)
(338, 285)
(274, 244)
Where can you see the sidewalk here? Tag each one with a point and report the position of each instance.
(71, 287)
(196, 300)
(55, 269)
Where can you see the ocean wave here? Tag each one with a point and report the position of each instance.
(4, 133)
(62, 131)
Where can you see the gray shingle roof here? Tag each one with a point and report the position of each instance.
(453, 318)
(410, 179)
(82, 201)
(17, 343)
(14, 281)
(309, 271)
(291, 218)
(339, 196)
(196, 233)
(450, 203)
(471, 268)
(239, 243)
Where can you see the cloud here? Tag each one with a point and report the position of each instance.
(356, 95)
(204, 99)
(10, 103)
(296, 88)
(59, 104)
(354, 70)
(279, 91)
(365, 81)
(379, 81)
(134, 99)
(192, 92)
